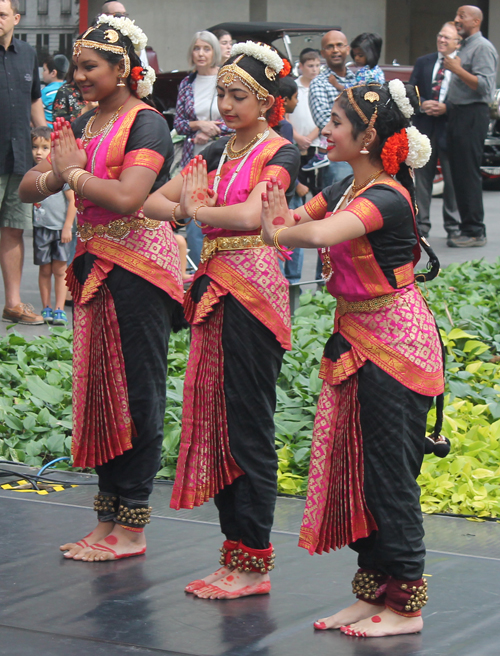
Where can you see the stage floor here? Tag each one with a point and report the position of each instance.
(54, 607)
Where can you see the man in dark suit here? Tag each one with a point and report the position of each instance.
(432, 80)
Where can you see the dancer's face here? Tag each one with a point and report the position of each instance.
(95, 77)
(239, 107)
(342, 147)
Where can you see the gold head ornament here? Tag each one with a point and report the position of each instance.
(227, 75)
(112, 37)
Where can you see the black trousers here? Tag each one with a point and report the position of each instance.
(467, 129)
(145, 318)
(252, 362)
(393, 420)
(424, 179)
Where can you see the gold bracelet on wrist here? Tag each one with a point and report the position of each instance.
(42, 181)
(84, 183)
(276, 242)
(173, 219)
(56, 191)
(200, 225)
(73, 178)
(37, 184)
(71, 166)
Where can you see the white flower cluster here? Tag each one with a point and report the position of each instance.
(398, 94)
(419, 148)
(262, 53)
(128, 28)
(145, 86)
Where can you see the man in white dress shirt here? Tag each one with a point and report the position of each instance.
(432, 80)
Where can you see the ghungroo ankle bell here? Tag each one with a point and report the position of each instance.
(133, 514)
(226, 550)
(369, 585)
(253, 560)
(106, 505)
(406, 597)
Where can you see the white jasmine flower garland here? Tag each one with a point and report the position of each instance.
(260, 52)
(419, 148)
(145, 86)
(128, 28)
(398, 94)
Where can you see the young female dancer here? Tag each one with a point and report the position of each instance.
(238, 309)
(125, 281)
(382, 365)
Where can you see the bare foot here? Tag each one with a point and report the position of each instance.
(236, 584)
(386, 623)
(360, 610)
(101, 531)
(208, 580)
(120, 543)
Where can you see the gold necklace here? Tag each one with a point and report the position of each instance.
(87, 132)
(355, 188)
(236, 154)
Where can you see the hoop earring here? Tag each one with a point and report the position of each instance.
(262, 117)
(121, 83)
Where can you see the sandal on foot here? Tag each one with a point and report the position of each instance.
(101, 547)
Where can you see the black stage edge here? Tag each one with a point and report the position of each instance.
(50, 606)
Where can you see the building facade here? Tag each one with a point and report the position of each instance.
(50, 26)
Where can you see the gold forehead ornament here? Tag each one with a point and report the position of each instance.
(228, 74)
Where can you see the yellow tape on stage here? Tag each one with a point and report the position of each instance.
(25, 486)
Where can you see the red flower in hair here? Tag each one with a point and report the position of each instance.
(137, 73)
(394, 152)
(277, 112)
(286, 68)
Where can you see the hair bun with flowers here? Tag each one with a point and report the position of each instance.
(409, 146)
(260, 51)
(126, 27)
(143, 79)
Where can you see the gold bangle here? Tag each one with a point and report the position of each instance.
(71, 166)
(173, 219)
(37, 184)
(56, 191)
(200, 225)
(84, 183)
(73, 178)
(43, 184)
(276, 242)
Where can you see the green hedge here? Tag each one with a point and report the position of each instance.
(35, 393)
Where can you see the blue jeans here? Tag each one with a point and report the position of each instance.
(335, 172)
(194, 238)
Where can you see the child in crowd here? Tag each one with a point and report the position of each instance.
(305, 131)
(53, 220)
(365, 50)
(53, 72)
(288, 88)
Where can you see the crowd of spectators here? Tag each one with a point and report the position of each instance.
(456, 85)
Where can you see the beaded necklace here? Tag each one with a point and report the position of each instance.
(262, 138)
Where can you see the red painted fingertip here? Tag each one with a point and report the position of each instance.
(269, 185)
(264, 196)
(273, 178)
(211, 193)
(296, 217)
(280, 184)
(52, 136)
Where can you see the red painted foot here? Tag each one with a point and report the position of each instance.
(320, 626)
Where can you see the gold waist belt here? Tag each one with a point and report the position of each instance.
(211, 246)
(370, 305)
(117, 229)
